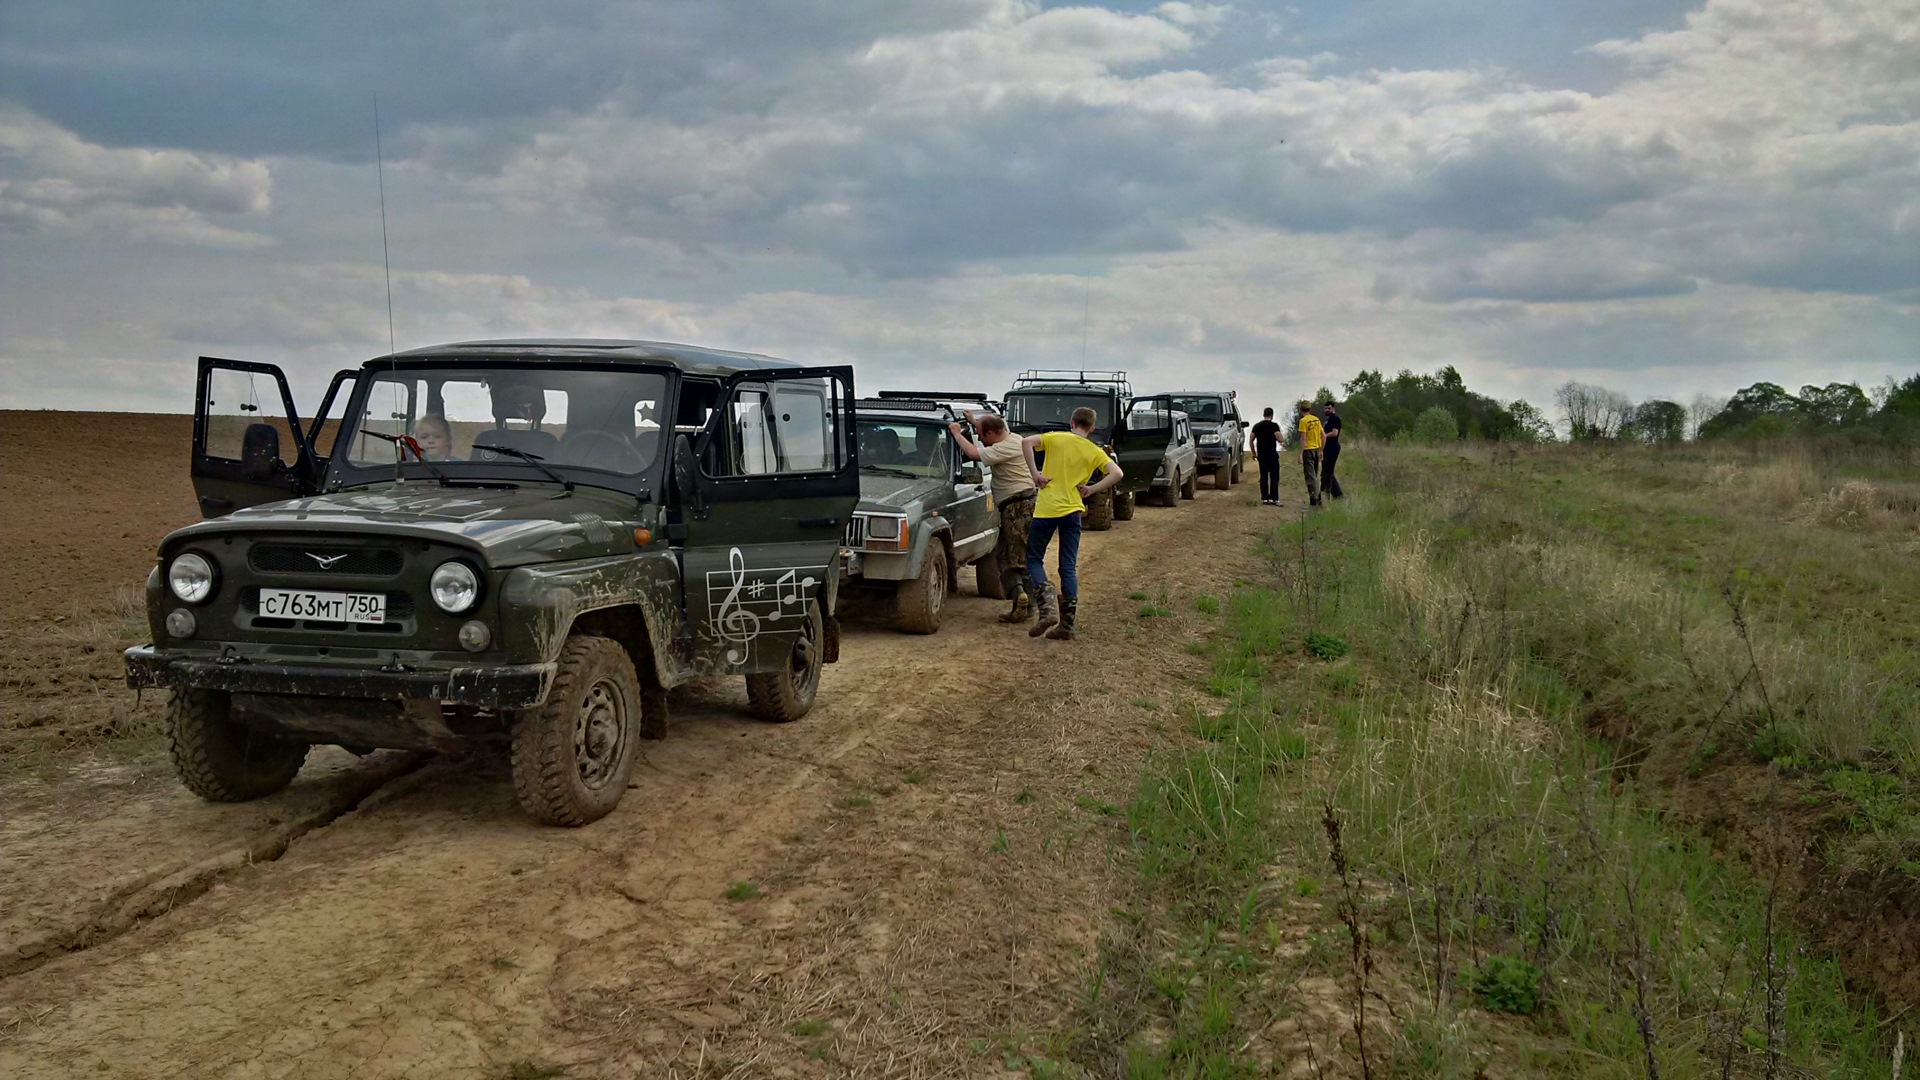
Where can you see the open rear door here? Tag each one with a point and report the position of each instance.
(248, 445)
(1140, 440)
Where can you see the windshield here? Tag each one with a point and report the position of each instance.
(483, 422)
(1206, 410)
(1054, 410)
(904, 446)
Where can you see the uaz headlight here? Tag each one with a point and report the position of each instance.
(455, 587)
(191, 577)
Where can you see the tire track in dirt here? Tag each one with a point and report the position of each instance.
(438, 932)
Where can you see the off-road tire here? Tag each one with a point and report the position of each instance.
(781, 697)
(1123, 506)
(595, 698)
(921, 599)
(1190, 487)
(986, 577)
(224, 761)
(1223, 476)
(1099, 513)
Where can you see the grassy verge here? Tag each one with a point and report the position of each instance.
(1394, 848)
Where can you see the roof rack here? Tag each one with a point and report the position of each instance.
(906, 404)
(1040, 376)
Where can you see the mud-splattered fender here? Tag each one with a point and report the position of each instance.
(539, 604)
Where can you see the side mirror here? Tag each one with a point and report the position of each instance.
(685, 477)
(260, 452)
(970, 472)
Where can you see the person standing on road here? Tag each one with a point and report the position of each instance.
(1013, 496)
(1312, 440)
(1072, 459)
(1266, 450)
(1330, 424)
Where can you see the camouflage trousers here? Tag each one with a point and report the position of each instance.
(1016, 521)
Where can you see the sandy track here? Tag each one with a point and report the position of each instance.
(930, 846)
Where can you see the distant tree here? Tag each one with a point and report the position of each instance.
(1701, 409)
(1592, 413)
(1388, 407)
(1761, 409)
(1322, 396)
(1655, 421)
(1835, 405)
(1531, 425)
(1436, 426)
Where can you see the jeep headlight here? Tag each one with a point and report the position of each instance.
(886, 532)
(1209, 440)
(455, 587)
(191, 577)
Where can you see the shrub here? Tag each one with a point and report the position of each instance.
(1435, 426)
(1507, 984)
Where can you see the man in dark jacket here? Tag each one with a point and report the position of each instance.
(1266, 450)
(1330, 422)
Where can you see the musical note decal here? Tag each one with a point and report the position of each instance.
(747, 600)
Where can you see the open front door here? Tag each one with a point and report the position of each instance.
(248, 445)
(1140, 440)
(778, 482)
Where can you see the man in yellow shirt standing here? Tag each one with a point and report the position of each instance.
(1313, 438)
(1072, 459)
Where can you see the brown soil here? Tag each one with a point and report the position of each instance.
(921, 865)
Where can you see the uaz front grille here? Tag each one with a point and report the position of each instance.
(321, 559)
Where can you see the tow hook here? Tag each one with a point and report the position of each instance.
(228, 655)
(394, 665)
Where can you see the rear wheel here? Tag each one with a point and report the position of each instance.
(221, 760)
(572, 756)
(922, 598)
(1100, 513)
(1123, 506)
(986, 577)
(781, 697)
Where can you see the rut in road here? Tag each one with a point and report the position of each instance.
(921, 863)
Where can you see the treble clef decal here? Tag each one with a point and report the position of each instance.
(735, 624)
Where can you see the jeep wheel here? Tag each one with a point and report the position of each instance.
(1100, 513)
(1223, 477)
(221, 760)
(922, 598)
(986, 577)
(1123, 506)
(572, 756)
(1190, 486)
(781, 697)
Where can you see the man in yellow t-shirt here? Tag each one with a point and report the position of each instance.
(1066, 485)
(1312, 438)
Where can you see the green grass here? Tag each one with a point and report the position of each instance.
(1206, 604)
(742, 890)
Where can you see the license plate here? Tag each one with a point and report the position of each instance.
(346, 607)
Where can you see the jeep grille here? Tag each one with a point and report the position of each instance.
(856, 532)
(317, 559)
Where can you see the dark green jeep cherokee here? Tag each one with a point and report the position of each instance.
(526, 540)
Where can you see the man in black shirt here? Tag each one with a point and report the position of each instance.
(1266, 449)
(1331, 422)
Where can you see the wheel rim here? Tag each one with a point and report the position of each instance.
(804, 669)
(937, 595)
(600, 733)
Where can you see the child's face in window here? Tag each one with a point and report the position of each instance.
(434, 441)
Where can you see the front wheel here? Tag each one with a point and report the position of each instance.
(781, 697)
(572, 756)
(221, 760)
(1223, 478)
(1123, 506)
(921, 599)
(1100, 513)
(1190, 486)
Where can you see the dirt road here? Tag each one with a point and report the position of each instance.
(907, 882)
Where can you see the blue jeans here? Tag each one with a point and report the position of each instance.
(1043, 529)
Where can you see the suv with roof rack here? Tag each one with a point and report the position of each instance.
(1044, 400)
(528, 541)
(924, 510)
(1217, 429)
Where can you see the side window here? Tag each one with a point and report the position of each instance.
(240, 400)
(326, 425)
(782, 426)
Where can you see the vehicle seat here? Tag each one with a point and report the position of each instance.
(527, 404)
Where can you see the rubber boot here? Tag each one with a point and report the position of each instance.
(1016, 586)
(1046, 612)
(1069, 607)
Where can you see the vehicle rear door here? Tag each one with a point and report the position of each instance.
(1141, 438)
(248, 445)
(778, 481)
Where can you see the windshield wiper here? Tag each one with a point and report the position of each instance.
(535, 460)
(891, 471)
(404, 443)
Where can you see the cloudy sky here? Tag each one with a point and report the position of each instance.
(1662, 197)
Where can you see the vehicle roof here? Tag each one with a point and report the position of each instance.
(1188, 393)
(1096, 389)
(693, 359)
(902, 410)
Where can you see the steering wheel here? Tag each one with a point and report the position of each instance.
(600, 450)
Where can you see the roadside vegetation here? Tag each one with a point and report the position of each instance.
(1545, 762)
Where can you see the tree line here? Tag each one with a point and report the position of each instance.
(1439, 408)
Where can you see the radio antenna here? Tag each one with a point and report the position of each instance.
(386, 259)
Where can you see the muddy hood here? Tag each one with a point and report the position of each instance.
(525, 524)
(881, 492)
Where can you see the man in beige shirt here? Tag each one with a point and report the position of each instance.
(1013, 492)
